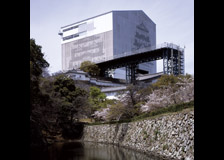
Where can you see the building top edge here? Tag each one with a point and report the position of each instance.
(99, 16)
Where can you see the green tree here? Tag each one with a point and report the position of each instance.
(37, 61)
(38, 101)
(90, 68)
(72, 97)
(37, 64)
(97, 98)
(165, 80)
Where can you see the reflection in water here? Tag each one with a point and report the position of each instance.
(87, 151)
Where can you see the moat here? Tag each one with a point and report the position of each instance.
(86, 151)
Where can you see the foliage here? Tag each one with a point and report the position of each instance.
(55, 100)
(37, 61)
(180, 91)
(97, 98)
(126, 107)
(169, 109)
(116, 111)
(167, 91)
(101, 114)
(38, 100)
(165, 80)
(129, 103)
(121, 112)
(66, 87)
(90, 68)
(70, 98)
(158, 111)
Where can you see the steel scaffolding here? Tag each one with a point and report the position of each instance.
(173, 61)
(172, 55)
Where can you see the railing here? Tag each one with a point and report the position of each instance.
(141, 50)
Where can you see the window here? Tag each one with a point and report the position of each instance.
(73, 27)
(68, 29)
(74, 35)
(70, 37)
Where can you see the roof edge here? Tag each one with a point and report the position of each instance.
(98, 16)
(86, 19)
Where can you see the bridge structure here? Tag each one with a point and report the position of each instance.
(171, 54)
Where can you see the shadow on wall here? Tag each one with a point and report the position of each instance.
(74, 131)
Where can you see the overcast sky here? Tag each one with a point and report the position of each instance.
(174, 23)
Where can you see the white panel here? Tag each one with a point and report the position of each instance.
(67, 33)
(93, 26)
(103, 23)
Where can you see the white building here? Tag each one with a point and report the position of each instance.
(105, 36)
(83, 76)
(78, 75)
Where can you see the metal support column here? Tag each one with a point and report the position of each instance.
(171, 63)
(131, 73)
(128, 74)
(165, 61)
(179, 65)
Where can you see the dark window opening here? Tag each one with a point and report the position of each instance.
(68, 29)
(70, 37)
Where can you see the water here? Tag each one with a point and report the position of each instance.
(87, 151)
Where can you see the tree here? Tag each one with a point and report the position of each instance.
(118, 112)
(69, 102)
(90, 68)
(72, 97)
(97, 98)
(37, 61)
(166, 80)
(126, 107)
(180, 92)
(38, 101)
(37, 64)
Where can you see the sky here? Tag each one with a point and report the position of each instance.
(174, 21)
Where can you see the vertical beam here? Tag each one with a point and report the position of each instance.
(171, 60)
(165, 61)
(179, 65)
(182, 62)
(127, 74)
(131, 73)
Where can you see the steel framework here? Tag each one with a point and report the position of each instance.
(172, 55)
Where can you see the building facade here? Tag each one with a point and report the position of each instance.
(106, 36)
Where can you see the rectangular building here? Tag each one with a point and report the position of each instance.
(106, 36)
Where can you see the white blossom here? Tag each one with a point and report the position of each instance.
(182, 91)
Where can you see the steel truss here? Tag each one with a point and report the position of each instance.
(173, 62)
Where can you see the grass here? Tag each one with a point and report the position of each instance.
(157, 112)
(87, 120)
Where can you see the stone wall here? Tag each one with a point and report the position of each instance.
(169, 135)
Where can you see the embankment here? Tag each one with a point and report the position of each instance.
(169, 135)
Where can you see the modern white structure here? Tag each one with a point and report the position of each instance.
(108, 35)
